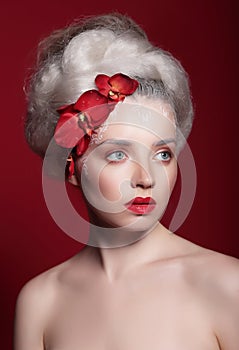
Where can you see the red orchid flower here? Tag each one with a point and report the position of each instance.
(116, 87)
(78, 121)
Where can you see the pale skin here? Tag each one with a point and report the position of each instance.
(160, 292)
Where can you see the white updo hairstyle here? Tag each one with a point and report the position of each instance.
(70, 59)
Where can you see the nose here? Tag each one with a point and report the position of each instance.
(141, 177)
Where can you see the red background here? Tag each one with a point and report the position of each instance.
(203, 36)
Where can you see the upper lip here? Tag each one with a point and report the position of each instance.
(141, 200)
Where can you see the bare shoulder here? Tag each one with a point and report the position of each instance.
(215, 279)
(35, 297)
(210, 266)
(44, 287)
(39, 289)
(221, 281)
(34, 306)
(221, 269)
(209, 271)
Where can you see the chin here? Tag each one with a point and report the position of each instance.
(126, 221)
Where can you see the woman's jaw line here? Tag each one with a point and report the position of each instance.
(104, 234)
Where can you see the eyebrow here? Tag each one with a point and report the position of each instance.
(128, 143)
(116, 142)
(164, 142)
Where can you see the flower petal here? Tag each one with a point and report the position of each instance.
(123, 84)
(102, 83)
(67, 132)
(99, 114)
(83, 145)
(95, 106)
(88, 99)
(78, 121)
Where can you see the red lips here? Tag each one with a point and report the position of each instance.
(141, 205)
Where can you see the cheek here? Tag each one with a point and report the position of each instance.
(172, 175)
(166, 179)
(111, 180)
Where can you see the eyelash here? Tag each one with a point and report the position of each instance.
(168, 153)
(165, 152)
(116, 160)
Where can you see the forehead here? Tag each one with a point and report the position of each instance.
(140, 120)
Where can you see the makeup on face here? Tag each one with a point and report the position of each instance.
(141, 205)
(132, 170)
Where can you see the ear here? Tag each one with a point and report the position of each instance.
(73, 180)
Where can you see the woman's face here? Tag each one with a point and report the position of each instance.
(129, 170)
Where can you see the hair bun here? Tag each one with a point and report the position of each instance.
(71, 58)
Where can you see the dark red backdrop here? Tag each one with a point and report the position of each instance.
(203, 35)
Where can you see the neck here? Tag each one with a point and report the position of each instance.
(118, 261)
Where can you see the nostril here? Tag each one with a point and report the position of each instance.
(146, 183)
(141, 177)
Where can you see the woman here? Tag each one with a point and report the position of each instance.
(120, 109)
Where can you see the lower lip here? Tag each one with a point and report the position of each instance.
(141, 208)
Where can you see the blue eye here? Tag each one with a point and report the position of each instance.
(116, 156)
(164, 156)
